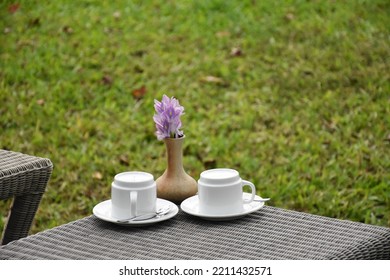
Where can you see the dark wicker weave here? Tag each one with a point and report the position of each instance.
(24, 178)
(270, 233)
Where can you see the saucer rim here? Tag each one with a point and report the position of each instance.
(174, 211)
(221, 217)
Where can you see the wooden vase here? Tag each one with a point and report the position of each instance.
(175, 184)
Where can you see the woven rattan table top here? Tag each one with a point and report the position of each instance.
(270, 233)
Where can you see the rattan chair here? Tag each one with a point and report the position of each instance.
(23, 178)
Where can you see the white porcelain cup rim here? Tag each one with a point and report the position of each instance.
(219, 177)
(133, 179)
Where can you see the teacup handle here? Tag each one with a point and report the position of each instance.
(250, 184)
(133, 203)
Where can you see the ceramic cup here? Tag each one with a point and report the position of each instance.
(220, 192)
(133, 193)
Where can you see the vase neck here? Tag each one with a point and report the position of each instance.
(174, 154)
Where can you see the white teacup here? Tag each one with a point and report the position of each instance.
(133, 193)
(220, 192)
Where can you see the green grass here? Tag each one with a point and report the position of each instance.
(303, 112)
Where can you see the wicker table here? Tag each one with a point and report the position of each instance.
(270, 233)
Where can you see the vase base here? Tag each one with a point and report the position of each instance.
(176, 190)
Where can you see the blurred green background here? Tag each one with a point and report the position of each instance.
(293, 94)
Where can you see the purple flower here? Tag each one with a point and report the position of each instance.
(167, 118)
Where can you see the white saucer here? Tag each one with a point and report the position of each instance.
(103, 212)
(191, 206)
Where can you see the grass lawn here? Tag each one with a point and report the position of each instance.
(293, 94)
